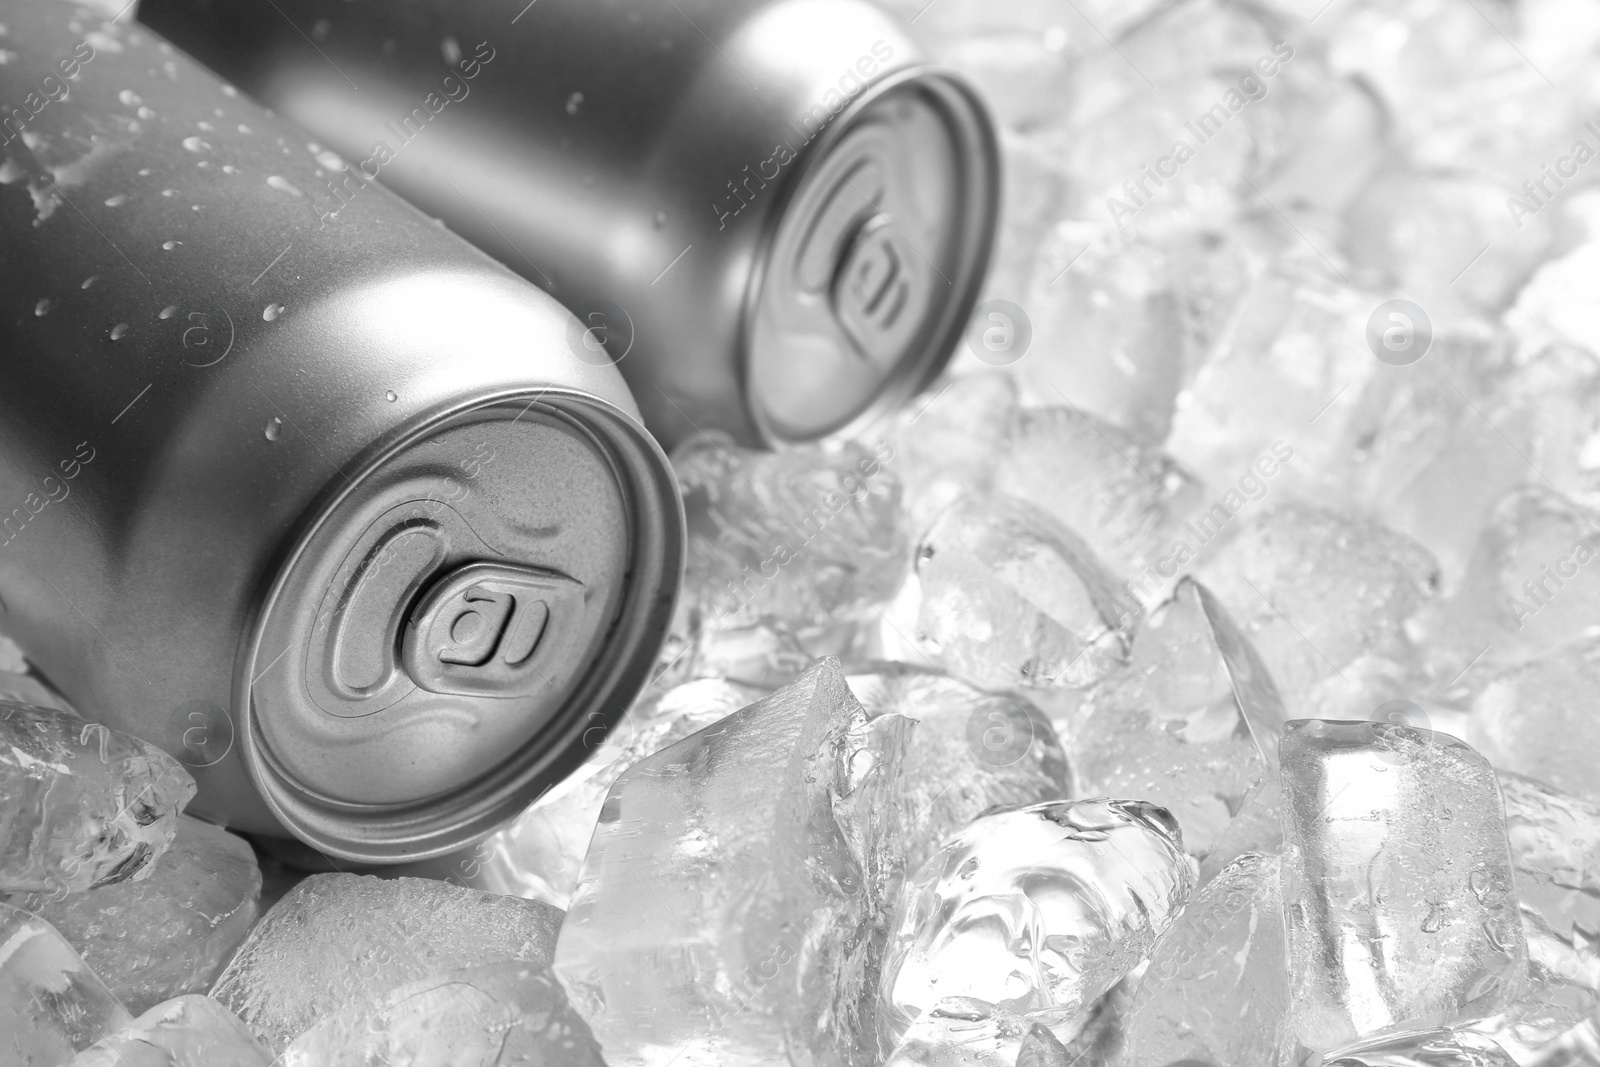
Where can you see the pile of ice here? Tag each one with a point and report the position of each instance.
(1205, 673)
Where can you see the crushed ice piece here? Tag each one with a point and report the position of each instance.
(1555, 851)
(1397, 882)
(169, 933)
(1125, 497)
(540, 854)
(81, 805)
(51, 1004)
(1010, 597)
(345, 939)
(1558, 302)
(729, 909)
(1216, 990)
(503, 1014)
(970, 751)
(187, 1031)
(1434, 1048)
(1537, 719)
(1562, 987)
(1190, 724)
(964, 1032)
(948, 446)
(1316, 590)
(1033, 909)
(802, 536)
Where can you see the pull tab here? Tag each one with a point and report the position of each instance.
(492, 629)
(875, 294)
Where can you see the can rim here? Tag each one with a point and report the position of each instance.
(396, 833)
(976, 143)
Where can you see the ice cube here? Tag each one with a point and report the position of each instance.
(1121, 494)
(1216, 990)
(1397, 882)
(949, 445)
(1441, 239)
(1187, 723)
(539, 856)
(1041, 908)
(502, 1014)
(169, 933)
(1577, 1047)
(345, 939)
(970, 751)
(187, 1031)
(963, 1032)
(725, 912)
(81, 805)
(1558, 305)
(1537, 719)
(1279, 385)
(1010, 597)
(1257, 827)
(1316, 590)
(1108, 328)
(1433, 1048)
(1555, 850)
(51, 1004)
(1529, 588)
(803, 536)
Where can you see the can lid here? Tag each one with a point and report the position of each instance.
(876, 260)
(462, 625)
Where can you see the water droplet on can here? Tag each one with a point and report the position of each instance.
(390, 396)
(274, 428)
(90, 280)
(117, 201)
(572, 103)
(170, 245)
(118, 331)
(168, 311)
(129, 98)
(42, 307)
(195, 144)
(272, 311)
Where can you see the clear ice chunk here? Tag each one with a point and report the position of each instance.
(1537, 719)
(970, 751)
(1010, 597)
(1317, 591)
(51, 1004)
(346, 939)
(1190, 724)
(729, 908)
(1042, 908)
(540, 854)
(1563, 987)
(801, 538)
(187, 1031)
(506, 1014)
(1555, 850)
(169, 933)
(948, 446)
(1576, 1047)
(1397, 882)
(1434, 1048)
(1528, 588)
(1126, 498)
(1216, 989)
(963, 1032)
(81, 805)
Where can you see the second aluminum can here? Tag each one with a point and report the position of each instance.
(775, 215)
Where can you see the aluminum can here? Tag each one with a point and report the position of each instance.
(776, 216)
(329, 509)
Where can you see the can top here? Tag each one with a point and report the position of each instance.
(877, 259)
(462, 625)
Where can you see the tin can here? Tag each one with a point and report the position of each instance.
(327, 508)
(774, 214)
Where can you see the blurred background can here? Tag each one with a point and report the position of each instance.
(775, 216)
(326, 506)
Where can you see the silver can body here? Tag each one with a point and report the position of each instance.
(329, 508)
(775, 216)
